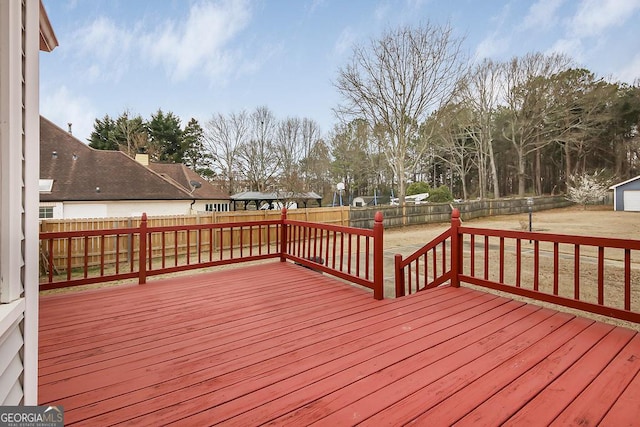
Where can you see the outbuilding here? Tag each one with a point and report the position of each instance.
(626, 195)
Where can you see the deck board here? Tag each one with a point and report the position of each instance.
(278, 343)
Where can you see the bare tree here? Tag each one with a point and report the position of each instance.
(289, 149)
(317, 167)
(259, 158)
(224, 137)
(527, 104)
(131, 133)
(395, 82)
(310, 137)
(454, 145)
(580, 108)
(480, 91)
(351, 144)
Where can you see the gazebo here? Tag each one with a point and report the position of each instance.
(274, 200)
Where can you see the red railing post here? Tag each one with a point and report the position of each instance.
(283, 235)
(378, 257)
(456, 251)
(399, 276)
(142, 251)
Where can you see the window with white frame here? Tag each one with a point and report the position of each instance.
(46, 212)
(216, 207)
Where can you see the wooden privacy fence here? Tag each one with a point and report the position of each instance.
(101, 250)
(96, 256)
(592, 274)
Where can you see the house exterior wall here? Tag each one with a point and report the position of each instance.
(618, 202)
(19, 158)
(117, 209)
(201, 205)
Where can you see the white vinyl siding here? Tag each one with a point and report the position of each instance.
(19, 165)
(11, 366)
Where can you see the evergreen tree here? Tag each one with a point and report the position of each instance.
(165, 136)
(195, 156)
(104, 134)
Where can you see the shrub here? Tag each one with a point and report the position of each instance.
(441, 194)
(587, 188)
(418, 188)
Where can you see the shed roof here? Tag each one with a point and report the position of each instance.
(613, 187)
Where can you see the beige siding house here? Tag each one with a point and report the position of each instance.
(77, 181)
(24, 30)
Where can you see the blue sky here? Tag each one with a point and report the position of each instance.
(199, 58)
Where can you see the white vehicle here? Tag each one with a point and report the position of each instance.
(415, 199)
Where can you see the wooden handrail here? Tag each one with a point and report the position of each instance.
(148, 249)
(485, 276)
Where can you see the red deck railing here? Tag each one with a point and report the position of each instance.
(426, 268)
(592, 274)
(74, 258)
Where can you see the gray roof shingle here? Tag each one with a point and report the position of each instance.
(81, 173)
(183, 176)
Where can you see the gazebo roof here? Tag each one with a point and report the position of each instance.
(248, 196)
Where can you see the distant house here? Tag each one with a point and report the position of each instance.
(626, 195)
(77, 181)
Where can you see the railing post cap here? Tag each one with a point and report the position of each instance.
(144, 216)
(455, 213)
(378, 217)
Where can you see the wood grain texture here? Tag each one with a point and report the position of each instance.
(278, 343)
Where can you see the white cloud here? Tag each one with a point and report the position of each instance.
(382, 12)
(542, 14)
(315, 4)
(200, 42)
(345, 42)
(62, 107)
(495, 44)
(594, 16)
(104, 48)
(492, 46)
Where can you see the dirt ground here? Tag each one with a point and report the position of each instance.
(600, 221)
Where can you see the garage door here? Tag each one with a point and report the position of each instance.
(632, 200)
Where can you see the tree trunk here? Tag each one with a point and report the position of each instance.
(494, 172)
(567, 162)
(464, 186)
(521, 174)
(538, 173)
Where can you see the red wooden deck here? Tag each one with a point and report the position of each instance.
(283, 344)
